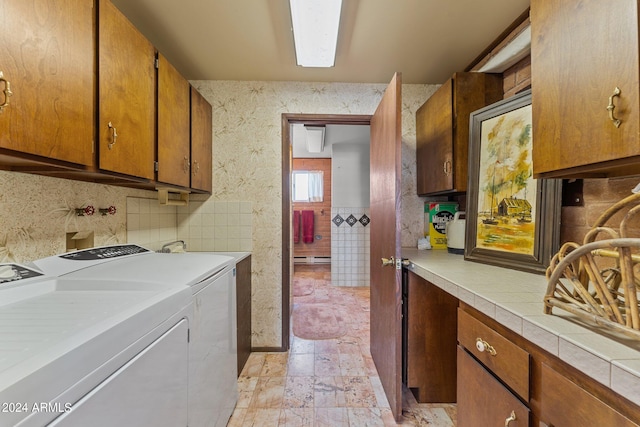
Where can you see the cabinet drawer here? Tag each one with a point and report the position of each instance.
(505, 359)
(483, 400)
(564, 403)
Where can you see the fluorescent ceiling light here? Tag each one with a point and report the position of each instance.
(315, 138)
(315, 31)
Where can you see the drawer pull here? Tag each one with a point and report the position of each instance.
(483, 346)
(512, 417)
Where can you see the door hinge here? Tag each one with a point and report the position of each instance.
(156, 62)
(155, 166)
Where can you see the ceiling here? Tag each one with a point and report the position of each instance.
(426, 40)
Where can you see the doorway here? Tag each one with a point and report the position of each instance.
(287, 167)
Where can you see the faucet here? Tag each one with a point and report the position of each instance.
(165, 248)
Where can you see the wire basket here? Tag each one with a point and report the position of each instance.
(599, 280)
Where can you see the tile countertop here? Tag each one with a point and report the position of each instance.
(515, 299)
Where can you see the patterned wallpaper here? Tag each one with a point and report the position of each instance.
(36, 212)
(247, 166)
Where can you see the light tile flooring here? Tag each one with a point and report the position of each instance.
(330, 382)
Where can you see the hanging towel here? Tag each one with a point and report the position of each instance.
(307, 226)
(296, 226)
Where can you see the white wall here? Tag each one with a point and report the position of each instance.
(350, 175)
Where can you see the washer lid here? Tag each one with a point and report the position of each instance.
(58, 265)
(188, 268)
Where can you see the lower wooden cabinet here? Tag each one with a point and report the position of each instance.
(243, 313)
(565, 404)
(483, 400)
(430, 341)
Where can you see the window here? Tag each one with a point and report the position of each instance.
(307, 186)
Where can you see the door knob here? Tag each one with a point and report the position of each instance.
(388, 261)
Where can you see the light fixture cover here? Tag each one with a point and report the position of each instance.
(315, 31)
(315, 138)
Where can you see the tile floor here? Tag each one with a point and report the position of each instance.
(331, 382)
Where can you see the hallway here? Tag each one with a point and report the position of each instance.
(325, 382)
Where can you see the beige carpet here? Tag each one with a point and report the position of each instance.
(317, 321)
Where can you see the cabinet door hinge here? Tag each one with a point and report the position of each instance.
(156, 62)
(155, 166)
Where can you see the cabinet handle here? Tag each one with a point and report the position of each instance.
(196, 167)
(447, 167)
(186, 165)
(114, 135)
(611, 107)
(483, 346)
(7, 92)
(512, 417)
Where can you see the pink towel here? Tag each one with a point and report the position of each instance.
(296, 226)
(307, 226)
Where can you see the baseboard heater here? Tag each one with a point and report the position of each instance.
(312, 260)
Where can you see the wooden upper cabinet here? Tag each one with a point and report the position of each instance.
(47, 59)
(173, 125)
(201, 143)
(442, 131)
(126, 91)
(581, 51)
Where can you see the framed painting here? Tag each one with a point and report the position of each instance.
(513, 220)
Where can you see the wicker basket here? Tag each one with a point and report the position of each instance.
(599, 280)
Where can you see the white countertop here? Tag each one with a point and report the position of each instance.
(515, 299)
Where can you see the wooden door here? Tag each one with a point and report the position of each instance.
(201, 143)
(126, 95)
(580, 52)
(386, 282)
(47, 56)
(174, 162)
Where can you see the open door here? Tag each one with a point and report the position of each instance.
(386, 276)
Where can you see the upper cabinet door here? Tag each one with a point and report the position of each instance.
(47, 59)
(127, 84)
(442, 131)
(201, 143)
(173, 125)
(434, 140)
(581, 51)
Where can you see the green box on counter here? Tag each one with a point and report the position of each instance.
(439, 214)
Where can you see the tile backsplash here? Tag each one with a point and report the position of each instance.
(350, 254)
(216, 226)
(150, 224)
(204, 225)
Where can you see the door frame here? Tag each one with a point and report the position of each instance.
(287, 120)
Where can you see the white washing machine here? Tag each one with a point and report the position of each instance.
(212, 365)
(87, 351)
